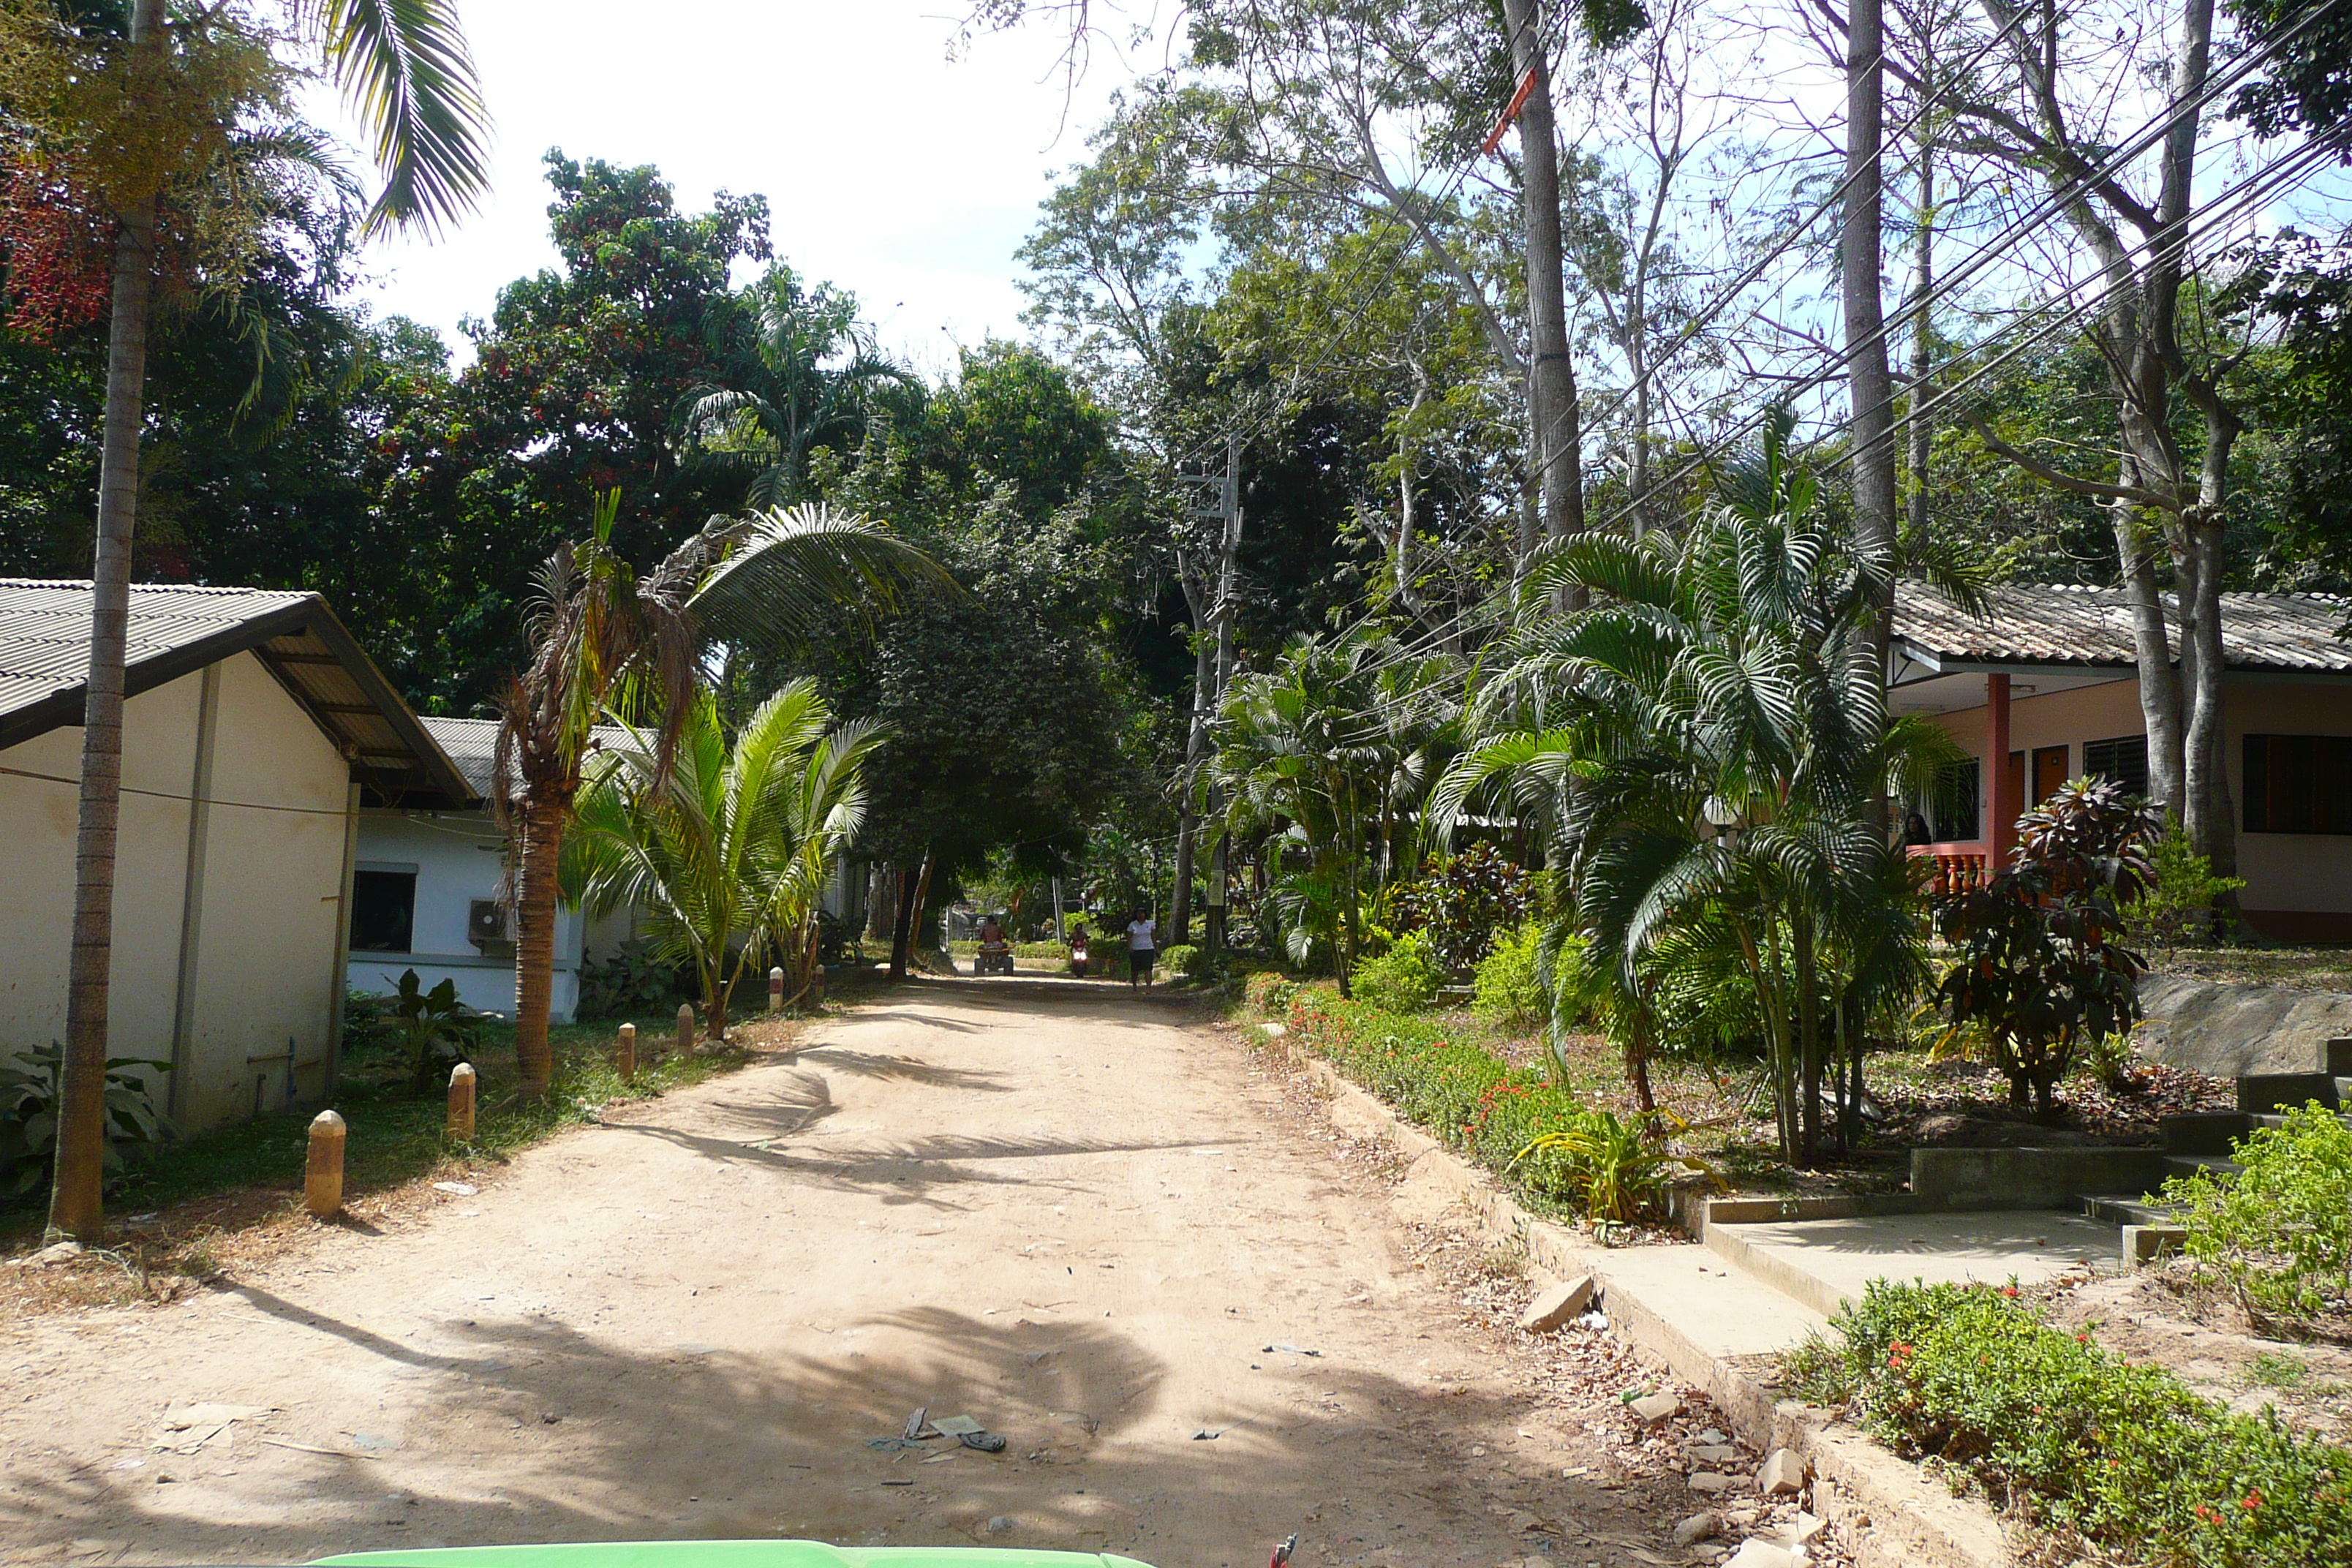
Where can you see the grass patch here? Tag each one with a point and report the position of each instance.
(396, 1137)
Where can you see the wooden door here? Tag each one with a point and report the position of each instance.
(2049, 772)
(2017, 786)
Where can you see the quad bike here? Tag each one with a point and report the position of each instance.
(993, 958)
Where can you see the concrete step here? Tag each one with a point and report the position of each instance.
(1825, 1263)
(2119, 1208)
(2189, 1164)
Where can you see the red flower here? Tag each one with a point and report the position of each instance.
(2010, 1292)
(2252, 1501)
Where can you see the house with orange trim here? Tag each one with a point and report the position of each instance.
(2043, 687)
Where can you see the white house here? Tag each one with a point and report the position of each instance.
(254, 731)
(425, 890)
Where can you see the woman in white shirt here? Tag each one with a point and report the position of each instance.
(1142, 948)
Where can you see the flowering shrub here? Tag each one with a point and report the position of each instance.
(2125, 1456)
(1405, 979)
(1507, 1119)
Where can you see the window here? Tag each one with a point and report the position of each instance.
(383, 910)
(2122, 759)
(1956, 803)
(2299, 783)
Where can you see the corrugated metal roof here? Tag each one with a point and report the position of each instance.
(2027, 624)
(176, 628)
(473, 744)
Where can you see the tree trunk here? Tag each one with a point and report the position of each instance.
(1870, 387)
(1922, 431)
(1196, 752)
(1556, 453)
(77, 1207)
(903, 930)
(535, 901)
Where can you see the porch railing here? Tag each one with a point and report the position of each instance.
(1960, 866)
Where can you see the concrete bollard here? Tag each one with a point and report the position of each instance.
(685, 1029)
(323, 1178)
(628, 1062)
(462, 1082)
(776, 989)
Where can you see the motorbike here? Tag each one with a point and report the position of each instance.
(1078, 957)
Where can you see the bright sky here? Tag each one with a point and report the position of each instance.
(892, 171)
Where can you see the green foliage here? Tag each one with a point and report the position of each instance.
(1510, 1119)
(28, 1118)
(2032, 963)
(1186, 961)
(2279, 1231)
(2049, 1423)
(1506, 991)
(1405, 979)
(1619, 1164)
(432, 1030)
(1462, 903)
(2176, 906)
(1268, 993)
(634, 977)
(728, 846)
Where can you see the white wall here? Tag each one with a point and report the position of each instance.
(456, 857)
(268, 926)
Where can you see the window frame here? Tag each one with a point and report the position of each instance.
(383, 868)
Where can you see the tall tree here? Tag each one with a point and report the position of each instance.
(139, 121)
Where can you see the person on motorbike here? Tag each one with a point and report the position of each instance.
(1078, 948)
(995, 948)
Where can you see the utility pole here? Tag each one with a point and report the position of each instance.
(1212, 610)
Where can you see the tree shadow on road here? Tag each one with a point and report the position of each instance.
(541, 1430)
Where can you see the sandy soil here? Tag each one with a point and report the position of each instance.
(1098, 1228)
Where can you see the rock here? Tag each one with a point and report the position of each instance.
(1000, 1525)
(1554, 1309)
(58, 1252)
(1709, 1482)
(1806, 1527)
(1696, 1527)
(1712, 1437)
(1714, 1453)
(1756, 1553)
(1655, 1407)
(1523, 1522)
(1274, 1031)
(1782, 1475)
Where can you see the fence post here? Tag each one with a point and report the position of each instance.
(628, 1062)
(776, 989)
(462, 1082)
(323, 1178)
(685, 1029)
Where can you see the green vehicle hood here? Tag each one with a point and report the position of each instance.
(725, 1554)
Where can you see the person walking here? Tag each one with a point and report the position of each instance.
(1142, 948)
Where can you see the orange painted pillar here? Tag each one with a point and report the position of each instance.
(2006, 807)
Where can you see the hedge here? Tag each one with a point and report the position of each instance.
(1469, 1097)
(2046, 1421)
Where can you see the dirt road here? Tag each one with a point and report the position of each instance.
(1059, 1210)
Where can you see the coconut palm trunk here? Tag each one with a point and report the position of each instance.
(75, 1208)
(540, 849)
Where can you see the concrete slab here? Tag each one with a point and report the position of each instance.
(1823, 1263)
(1704, 1301)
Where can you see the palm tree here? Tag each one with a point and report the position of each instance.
(727, 849)
(1703, 750)
(607, 640)
(789, 396)
(405, 68)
